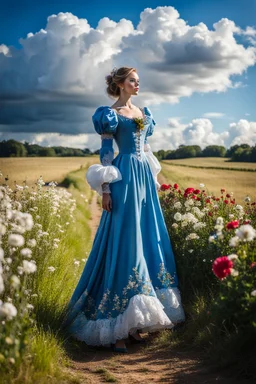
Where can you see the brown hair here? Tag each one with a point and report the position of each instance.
(116, 77)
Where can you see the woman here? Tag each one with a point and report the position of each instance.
(129, 283)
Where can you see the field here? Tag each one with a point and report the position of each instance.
(185, 172)
(193, 353)
(50, 168)
(192, 172)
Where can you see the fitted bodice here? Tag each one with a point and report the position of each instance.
(128, 137)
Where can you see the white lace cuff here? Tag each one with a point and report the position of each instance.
(98, 174)
(153, 162)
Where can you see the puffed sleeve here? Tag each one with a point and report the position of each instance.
(152, 159)
(99, 176)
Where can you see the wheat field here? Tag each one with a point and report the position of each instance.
(241, 182)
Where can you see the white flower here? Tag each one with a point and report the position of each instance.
(1, 284)
(199, 225)
(15, 240)
(7, 311)
(234, 241)
(31, 243)
(231, 216)
(175, 225)
(30, 306)
(192, 236)
(234, 272)
(83, 260)
(15, 281)
(26, 252)
(1, 254)
(253, 293)
(76, 262)
(28, 266)
(239, 207)
(233, 256)
(177, 216)
(177, 205)
(51, 269)
(201, 185)
(246, 232)
(211, 239)
(219, 220)
(247, 199)
(191, 250)
(2, 229)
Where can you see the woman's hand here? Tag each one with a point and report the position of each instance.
(106, 201)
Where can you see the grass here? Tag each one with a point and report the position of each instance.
(240, 183)
(46, 360)
(106, 375)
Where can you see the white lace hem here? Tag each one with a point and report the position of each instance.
(97, 174)
(143, 312)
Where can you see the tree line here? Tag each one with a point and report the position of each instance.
(242, 152)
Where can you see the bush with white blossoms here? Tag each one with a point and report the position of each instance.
(196, 222)
(32, 222)
(214, 242)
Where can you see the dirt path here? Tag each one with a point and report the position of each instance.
(143, 364)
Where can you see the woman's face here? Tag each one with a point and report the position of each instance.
(131, 84)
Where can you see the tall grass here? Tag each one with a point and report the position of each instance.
(63, 238)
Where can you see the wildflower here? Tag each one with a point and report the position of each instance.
(51, 269)
(234, 272)
(28, 266)
(177, 205)
(246, 232)
(233, 256)
(31, 243)
(221, 267)
(14, 281)
(165, 187)
(177, 216)
(192, 236)
(1, 254)
(15, 240)
(232, 224)
(8, 311)
(1, 284)
(253, 293)
(26, 252)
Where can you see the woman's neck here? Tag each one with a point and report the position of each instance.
(124, 102)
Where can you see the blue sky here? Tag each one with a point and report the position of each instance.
(18, 18)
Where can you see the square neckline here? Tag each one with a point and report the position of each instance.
(132, 118)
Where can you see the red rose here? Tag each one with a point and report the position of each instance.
(247, 222)
(232, 224)
(209, 213)
(217, 199)
(207, 200)
(222, 190)
(188, 190)
(176, 186)
(228, 195)
(196, 191)
(164, 187)
(198, 198)
(221, 267)
(226, 201)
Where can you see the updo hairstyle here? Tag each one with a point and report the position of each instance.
(116, 77)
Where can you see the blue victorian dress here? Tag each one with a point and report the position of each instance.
(129, 281)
